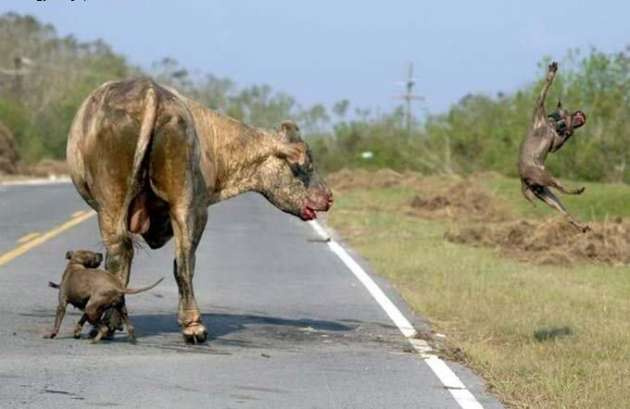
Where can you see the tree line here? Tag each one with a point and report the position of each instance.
(44, 77)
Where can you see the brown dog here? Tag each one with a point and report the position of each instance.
(547, 134)
(91, 290)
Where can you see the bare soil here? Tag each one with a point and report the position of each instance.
(552, 241)
(464, 199)
(485, 220)
(350, 179)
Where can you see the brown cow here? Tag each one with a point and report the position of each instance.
(150, 161)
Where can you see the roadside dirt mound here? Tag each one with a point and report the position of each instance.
(460, 199)
(552, 241)
(434, 197)
(8, 151)
(349, 179)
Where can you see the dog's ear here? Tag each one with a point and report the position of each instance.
(69, 255)
(559, 105)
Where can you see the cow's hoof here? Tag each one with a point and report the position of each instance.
(195, 333)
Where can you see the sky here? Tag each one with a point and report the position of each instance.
(323, 51)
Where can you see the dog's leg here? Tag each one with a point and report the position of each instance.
(527, 192)
(544, 194)
(555, 183)
(94, 311)
(102, 330)
(544, 178)
(61, 311)
(79, 326)
(130, 329)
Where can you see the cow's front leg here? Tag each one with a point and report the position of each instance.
(188, 226)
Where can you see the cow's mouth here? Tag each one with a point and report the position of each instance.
(308, 213)
(310, 209)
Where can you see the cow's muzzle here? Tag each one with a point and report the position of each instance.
(319, 200)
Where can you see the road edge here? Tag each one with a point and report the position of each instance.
(464, 397)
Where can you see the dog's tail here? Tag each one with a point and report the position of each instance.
(139, 290)
(53, 285)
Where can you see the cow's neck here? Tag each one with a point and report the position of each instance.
(233, 153)
(238, 174)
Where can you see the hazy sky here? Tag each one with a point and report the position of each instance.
(323, 51)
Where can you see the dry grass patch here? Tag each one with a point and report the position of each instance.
(552, 241)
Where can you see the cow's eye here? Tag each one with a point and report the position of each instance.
(301, 173)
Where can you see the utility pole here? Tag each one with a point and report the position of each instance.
(21, 67)
(17, 79)
(409, 96)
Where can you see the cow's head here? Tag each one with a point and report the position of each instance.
(288, 179)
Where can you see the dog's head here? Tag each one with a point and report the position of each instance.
(567, 122)
(86, 258)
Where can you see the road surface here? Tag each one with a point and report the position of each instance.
(290, 325)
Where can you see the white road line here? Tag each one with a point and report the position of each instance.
(449, 379)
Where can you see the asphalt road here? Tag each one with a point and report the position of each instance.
(290, 326)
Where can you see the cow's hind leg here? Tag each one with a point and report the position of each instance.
(130, 330)
(119, 253)
(188, 226)
(177, 179)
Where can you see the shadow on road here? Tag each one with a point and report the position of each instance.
(220, 325)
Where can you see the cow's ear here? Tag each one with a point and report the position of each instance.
(292, 152)
(68, 255)
(289, 131)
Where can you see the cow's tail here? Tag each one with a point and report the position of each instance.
(139, 290)
(136, 218)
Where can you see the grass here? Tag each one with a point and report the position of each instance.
(596, 203)
(541, 336)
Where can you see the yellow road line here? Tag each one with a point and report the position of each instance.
(19, 250)
(28, 237)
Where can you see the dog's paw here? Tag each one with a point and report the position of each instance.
(586, 229)
(50, 336)
(580, 190)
